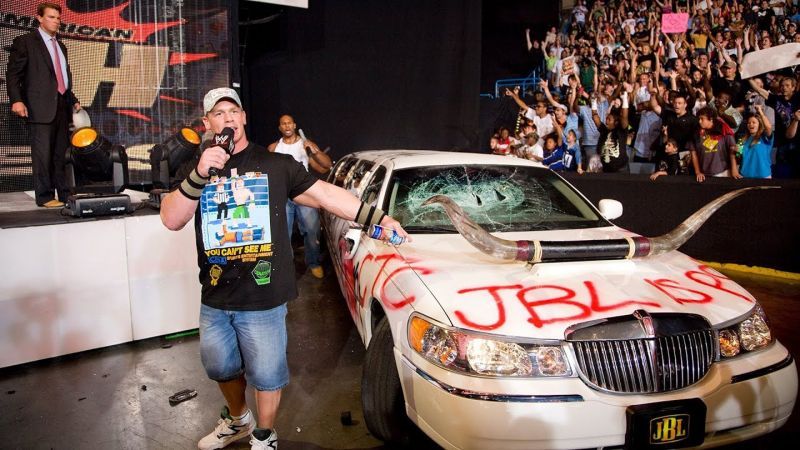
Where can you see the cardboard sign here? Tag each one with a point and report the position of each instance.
(568, 65)
(771, 59)
(674, 23)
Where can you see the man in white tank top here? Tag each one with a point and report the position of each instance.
(308, 154)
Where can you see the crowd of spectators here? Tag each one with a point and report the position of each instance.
(616, 89)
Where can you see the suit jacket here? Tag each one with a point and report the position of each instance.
(31, 78)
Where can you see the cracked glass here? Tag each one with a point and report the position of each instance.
(499, 198)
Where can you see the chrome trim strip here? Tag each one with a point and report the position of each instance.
(498, 397)
(763, 371)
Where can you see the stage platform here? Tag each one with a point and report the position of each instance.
(74, 284)
(19, 209)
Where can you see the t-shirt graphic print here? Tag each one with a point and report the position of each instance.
(235, 217)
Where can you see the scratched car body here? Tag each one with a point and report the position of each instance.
(656, 352)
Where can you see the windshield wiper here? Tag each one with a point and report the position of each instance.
(428, 229)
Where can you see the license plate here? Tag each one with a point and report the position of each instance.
(675, 424)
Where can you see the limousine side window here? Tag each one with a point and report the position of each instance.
(371, 192)
(342, 170)
(352, 181)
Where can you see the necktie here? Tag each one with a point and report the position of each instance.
(59, 76)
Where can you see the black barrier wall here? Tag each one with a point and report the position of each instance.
(760, 228)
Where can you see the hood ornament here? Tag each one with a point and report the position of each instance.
(534, 252)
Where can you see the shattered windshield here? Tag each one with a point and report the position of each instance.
(499, 198)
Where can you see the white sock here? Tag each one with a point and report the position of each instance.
(240, 417)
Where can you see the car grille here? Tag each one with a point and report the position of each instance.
(676, 355)
(646, 365)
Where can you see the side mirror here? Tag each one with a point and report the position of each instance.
(610, 209)
(352, 238)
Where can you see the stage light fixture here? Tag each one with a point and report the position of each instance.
(94, 164)
(166, 158)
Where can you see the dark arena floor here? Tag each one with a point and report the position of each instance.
(117, 397)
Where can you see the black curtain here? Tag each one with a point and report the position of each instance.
(366, 75)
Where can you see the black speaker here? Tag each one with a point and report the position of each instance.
(91, 205)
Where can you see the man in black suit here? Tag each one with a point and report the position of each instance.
(39, 87)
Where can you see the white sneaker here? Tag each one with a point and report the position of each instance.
(228, 430)
(271, 443)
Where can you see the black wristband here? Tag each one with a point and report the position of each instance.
(369, 215)
(192, 186)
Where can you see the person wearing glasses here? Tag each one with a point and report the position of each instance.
(538, 114)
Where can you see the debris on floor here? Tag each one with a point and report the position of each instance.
(182, 396)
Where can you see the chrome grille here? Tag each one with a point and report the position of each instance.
(646, 365)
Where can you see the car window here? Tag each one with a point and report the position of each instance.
(339, 173)
(352, 181)
(372, 190)
(499, 198)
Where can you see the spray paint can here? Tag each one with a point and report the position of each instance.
(385, 234)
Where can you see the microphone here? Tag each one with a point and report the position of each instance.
(223, 139)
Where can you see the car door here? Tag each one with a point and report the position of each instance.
(371, 186)
(337, 229)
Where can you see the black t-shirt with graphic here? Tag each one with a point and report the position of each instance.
(243, 251)
(783, 114)
(684, 129)
(669, 163)
(612, 148)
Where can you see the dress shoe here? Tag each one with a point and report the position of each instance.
(53, 204)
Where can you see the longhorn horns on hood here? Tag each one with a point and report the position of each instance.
(544, 251)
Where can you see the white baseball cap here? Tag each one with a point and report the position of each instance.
(215, 95)
(81, 119)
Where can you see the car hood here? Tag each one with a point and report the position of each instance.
(481, 293)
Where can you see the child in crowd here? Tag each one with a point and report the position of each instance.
(669, 162)
(531, 149)
(552, 143)
(560, 156)
(716, 155)
(502, 144)
(757, 146)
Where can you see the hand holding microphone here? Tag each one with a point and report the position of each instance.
(303, 138)
(224, 139)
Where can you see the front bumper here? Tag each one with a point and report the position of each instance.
(743, 401)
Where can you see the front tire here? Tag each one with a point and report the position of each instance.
(381, 392)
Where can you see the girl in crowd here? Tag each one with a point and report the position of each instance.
(501, 143)
(757, 148)
(612, 143)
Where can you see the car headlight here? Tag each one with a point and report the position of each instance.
(750, 334)
(490, 357)
(474, 353)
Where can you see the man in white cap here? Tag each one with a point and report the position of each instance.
(246, 265)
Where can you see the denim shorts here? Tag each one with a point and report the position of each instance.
(252, 343)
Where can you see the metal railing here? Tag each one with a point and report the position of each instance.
(528, 83)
